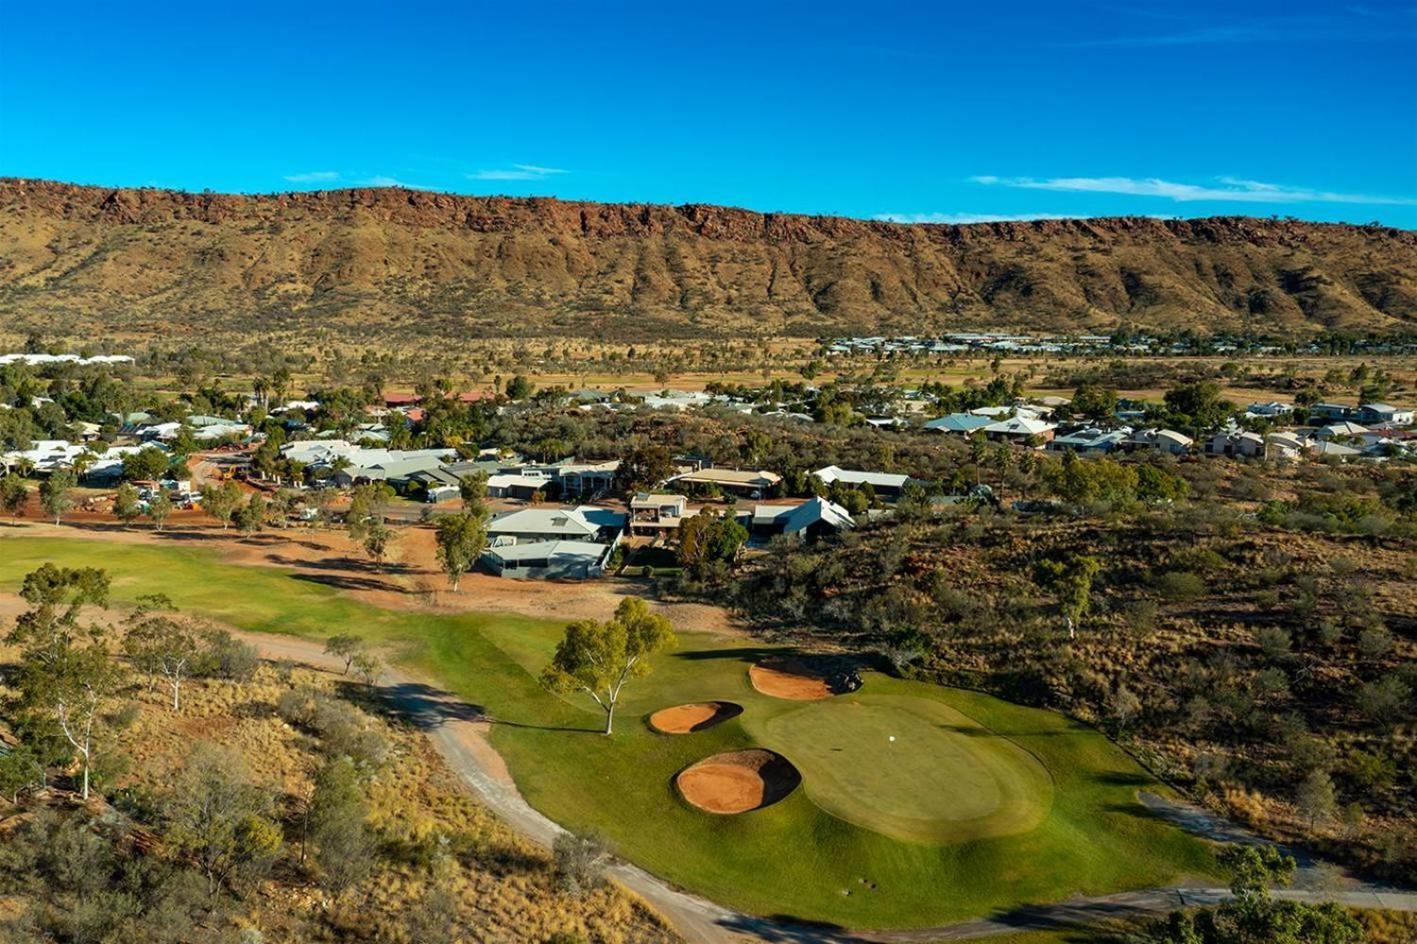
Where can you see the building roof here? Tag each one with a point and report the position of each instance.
(1332, 449)
(832, 474)
(1019, 426)
(1342, 428)
(569, 523)
(586, 550)
(958, 423)
(655, 499)
(758, 479)
(796, 517)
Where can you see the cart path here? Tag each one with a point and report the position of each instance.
(458, 732)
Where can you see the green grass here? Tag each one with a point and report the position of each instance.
(910, 767)
(794, 858)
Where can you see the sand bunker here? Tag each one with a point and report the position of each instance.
(804, 679)
(686, 719)
(738, 781)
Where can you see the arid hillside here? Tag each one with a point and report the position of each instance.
(370, 262)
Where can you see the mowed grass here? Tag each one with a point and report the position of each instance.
(794, 858)
(911, 767)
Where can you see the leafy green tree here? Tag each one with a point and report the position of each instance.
(1094, 401)
(1315, 797)
(1197, 406)
(345, 646)
(220, 820)
(345, 848)
(56, 494)
(519, 388)
(1071, 583)
(74, 685)
(221, 501)
(160, 644)
(159, 509)
(598, 658)
(14, 495)
(377, 537)
(472, 489)
(147, 463)
(643, 468)
(251, 517)
(126, 505)
(708, 539)
(461, 540)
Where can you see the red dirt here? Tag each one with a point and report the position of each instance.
(738, 781)
(789, 679)
(686, 719)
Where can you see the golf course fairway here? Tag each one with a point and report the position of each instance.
(978, 806)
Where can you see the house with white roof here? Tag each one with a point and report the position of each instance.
(1381, 414)
(752, 484)
(1020, 429)
(1343, 429)
(962, 423)
(563, 560)
(1160, 440)
(583, 523)
(657, 513)
(814, 518)
(885, 484)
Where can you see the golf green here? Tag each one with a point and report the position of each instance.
(910, 767)
(978, 806)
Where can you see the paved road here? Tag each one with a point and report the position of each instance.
(458, 731)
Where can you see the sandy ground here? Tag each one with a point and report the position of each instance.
(782, 682)
(410, 577)
(686, 719)
(738, 781)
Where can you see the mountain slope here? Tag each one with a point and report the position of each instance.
(387, 260)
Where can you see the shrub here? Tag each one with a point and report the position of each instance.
(1180, 585)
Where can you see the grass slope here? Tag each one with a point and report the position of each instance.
(793, 858)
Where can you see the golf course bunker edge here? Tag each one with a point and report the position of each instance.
(737, 781)
(695, 716)
(804, 678)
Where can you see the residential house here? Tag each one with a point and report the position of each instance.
(963, 424)
(738, 481)
(884, 484)
(564, 560)
(1271, 410)
(813, 519)
(1328, 449)
(1020, 429)
(656, 513)
(1284, 446)
(523, 485)
(1092, 439)
(532, 525)
(1328, 412)
(1160, 440)
(1343, 429)
(1235, 442)
(1381, 414)
(587, 479)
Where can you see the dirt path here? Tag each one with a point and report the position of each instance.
(459, 733)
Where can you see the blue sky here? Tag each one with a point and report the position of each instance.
(917, 111)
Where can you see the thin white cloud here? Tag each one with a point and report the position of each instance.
(1224, 189)
(517, 172)
(313, 177)
(381, 180)
(960, 219)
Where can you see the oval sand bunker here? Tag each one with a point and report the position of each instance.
(738, 781)
(686, 719)
(803, 679)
